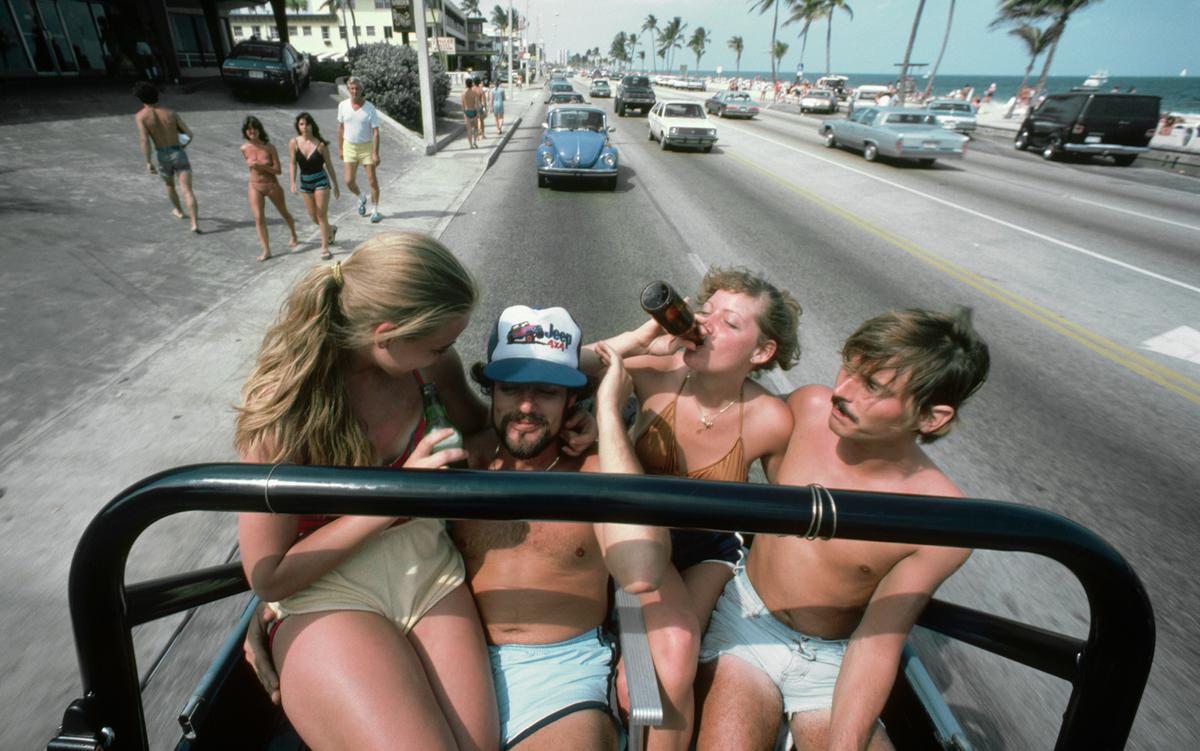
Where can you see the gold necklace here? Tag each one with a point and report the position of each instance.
(709, 420)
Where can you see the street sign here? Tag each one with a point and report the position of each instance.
(402, 15)
(442, 44)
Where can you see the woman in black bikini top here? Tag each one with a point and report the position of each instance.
(316, 176)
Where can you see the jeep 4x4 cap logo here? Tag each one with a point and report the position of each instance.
(533, 333)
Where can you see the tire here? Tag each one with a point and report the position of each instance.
(708, 149)
(620, 110)
(870, 152)
(830, 139)
(296, 89)
(722, 112)
(1124, 160)
(543, 181)
(662, 141)
(926, 162)
(1052, 150)
(650, 133)
(1021, 142)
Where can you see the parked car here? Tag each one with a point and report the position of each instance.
(266, 67)
(566, 97)
(818, 100)
(865, 96)
(558, 87)
(576, 144)
(634, 92)
(898, 132)
(836, 84)
(681, 123)
(1091, 123)
(731, 104)
(599, 88)
(953, 114)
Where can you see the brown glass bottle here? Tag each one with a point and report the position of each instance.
(436, 419)
(667, 306)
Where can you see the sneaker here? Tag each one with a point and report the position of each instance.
(376, 217)
(362, 205)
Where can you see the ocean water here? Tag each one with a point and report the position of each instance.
(1180, 94)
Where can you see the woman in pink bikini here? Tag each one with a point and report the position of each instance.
(263, 161)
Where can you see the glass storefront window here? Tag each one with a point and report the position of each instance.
(12, 51)
(81, 30)
(57, 37)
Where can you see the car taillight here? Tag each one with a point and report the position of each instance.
(1078, 129)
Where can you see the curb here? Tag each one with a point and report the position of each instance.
(503, 142)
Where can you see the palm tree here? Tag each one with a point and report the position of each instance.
(912, 37)
(471, 8)
(937, 63)
(671, 38)
(762, 6)
(642, 59)
(500, 19)
(1016, 11)
(651, 25)
(334, 6)
(1036, 41)
(806, 12)
(737, 45)
(778, 51)
(829, 7)
(617, 50)
(700, 39)
(631, 40)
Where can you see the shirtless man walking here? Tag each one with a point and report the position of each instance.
(542, 587)
(814, 629)
(160, 127)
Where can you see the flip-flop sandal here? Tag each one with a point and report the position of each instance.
(327, 256)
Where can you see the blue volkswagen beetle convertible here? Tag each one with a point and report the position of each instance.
(575, 144)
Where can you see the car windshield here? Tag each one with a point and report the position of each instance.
(566, 99)
(567, 119)
(951, 107)
(560, 86)
(637, 81)
(683, 110)
(739, 97)
(257, 52)
(909, 118)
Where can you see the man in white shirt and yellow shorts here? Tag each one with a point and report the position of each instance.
(358, 143)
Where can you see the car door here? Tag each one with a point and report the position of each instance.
(652, 120)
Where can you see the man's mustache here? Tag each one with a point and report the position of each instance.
(840, 405)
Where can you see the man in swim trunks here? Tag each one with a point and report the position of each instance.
(542, 587)
(813, 629)
(160, 127)
(358, 143)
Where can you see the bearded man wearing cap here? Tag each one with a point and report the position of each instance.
(542, 587)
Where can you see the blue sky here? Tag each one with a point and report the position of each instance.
(1126, 37)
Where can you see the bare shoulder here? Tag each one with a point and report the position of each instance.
(810, 403)
(931, 480)
(767, 414)
(589, 462)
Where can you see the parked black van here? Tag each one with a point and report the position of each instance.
(1091, 123)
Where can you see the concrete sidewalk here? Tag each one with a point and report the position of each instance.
(127, 339)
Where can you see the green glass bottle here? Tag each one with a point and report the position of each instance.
(436, 419)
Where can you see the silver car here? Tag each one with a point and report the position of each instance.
(896, 132)
(953, 114)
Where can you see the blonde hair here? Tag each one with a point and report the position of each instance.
(295, 404)
(780, 316)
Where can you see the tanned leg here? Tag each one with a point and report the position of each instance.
(589, 730)
(280, 204)
(810, 731)
(172, 196)
(258, 209)
(705, 582)
(740, 707)
(352, 680)
(449, 640)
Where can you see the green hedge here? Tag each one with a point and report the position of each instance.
(329, 70)
(391, 77)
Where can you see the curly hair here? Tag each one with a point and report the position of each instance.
(780, 317)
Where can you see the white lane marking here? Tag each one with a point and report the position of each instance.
(699, 264)
(1182, 342)
(980, 214)
(1138, 214)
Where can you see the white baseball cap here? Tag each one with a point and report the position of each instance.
(531, 345)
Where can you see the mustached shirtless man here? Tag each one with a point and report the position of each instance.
(160, 127)
(813, 630)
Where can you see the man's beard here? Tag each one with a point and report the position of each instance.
(523, 449)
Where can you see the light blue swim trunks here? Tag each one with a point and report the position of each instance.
(537, 684)
(803, 668)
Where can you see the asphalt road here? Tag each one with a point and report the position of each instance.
(1069, 268)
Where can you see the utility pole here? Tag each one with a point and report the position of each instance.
(428, 126)
(510, 45)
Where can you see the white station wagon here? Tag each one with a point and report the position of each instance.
(681, 123)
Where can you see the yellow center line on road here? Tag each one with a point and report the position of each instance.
(1110, 350)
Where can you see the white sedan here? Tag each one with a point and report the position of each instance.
(681, 123)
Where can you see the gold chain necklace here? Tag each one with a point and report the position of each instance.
(709, 420)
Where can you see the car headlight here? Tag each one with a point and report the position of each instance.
(609, 158)
(712, 132)
(547, 159)
(674, 131)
